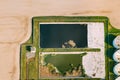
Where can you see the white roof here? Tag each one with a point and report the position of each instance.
(116, 69)
(116, 42)
(33, 49)
(116, 56)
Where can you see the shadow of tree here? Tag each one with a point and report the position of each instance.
(28, 48)
(109, 39)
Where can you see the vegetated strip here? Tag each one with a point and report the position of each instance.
(69, 49)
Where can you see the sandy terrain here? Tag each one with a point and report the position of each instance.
(15, 23)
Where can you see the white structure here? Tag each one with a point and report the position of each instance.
(116, 56)
(31, 54)
(116, 69)
(32, 49)
(116, 42)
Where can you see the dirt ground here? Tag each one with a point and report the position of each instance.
(15, 24)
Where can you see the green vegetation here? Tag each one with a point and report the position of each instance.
(23, 63)
(51, 68)
(69, 49)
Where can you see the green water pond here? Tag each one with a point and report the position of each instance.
(64, 62)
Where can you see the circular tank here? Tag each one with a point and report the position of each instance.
(116, 42)
(116, 69)
(116, 56)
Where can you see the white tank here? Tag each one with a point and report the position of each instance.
(116, 69)
(116, 56)
(116, 42)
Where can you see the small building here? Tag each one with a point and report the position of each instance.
(116, 69)
(31, 53)
(116, 56)
(32, 49)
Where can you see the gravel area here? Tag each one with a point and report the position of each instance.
(94, 62)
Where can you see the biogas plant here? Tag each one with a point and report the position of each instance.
(66, 47)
